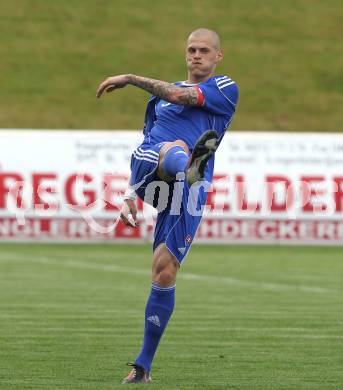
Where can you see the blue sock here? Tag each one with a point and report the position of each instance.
(175, 161)
(158, 310)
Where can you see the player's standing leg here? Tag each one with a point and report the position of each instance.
(158, 311)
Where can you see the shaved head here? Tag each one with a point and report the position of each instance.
(203, 53)
(205, 33)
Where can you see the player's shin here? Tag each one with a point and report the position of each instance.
(158, 310)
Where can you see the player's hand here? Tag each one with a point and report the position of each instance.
(128, 213)
(112, 83)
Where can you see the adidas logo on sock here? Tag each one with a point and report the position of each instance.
(155, 320)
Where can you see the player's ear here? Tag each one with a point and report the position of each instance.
(220, 55)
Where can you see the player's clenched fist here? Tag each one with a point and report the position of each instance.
(112, 83)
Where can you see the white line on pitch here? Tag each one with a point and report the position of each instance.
(182, 275)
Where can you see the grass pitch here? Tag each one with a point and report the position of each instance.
(286, 57)
(245, 318)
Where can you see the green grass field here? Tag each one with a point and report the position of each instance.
(245, 318)
(285, 55)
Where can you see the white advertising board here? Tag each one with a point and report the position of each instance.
(268, 187)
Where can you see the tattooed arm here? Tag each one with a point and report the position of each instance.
(166, 91)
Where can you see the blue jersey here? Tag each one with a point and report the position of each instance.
(165, 121)
(188, 123)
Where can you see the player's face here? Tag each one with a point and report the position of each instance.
(202, 57)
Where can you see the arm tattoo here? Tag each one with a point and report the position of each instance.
(166, 91)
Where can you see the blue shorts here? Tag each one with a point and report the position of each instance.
(179, 212)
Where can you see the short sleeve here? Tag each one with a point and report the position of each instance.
(220, 95)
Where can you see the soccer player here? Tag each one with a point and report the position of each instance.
(177, 145)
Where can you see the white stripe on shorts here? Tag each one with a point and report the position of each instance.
(145, 158)
(140, 154)
(147, 151)
(146, 154)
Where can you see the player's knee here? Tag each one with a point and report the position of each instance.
(165, 278)
(170, 145)
(164, 268)
(164, 172)
(181, 143)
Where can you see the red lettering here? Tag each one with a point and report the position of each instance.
(114, 187)
(309, 193)
(266, 229)
(243, 205)
(89, 195)
(15, 190)
(338, 193)
(39, 189)
(217, 199)
(272, 203)
(123, 231)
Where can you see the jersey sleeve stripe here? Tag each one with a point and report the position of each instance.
(226, 85)
(223, 81)
(221, 78)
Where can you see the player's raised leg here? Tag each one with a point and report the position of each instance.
(174, 157)
(204, 148)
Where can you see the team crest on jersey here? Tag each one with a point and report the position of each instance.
(188, 239)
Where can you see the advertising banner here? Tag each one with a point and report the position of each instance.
(268, 187)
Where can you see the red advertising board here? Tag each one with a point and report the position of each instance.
(268, 187)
